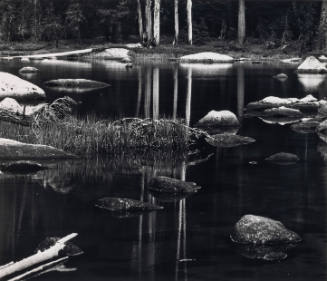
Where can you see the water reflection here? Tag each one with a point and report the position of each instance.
(311, 82)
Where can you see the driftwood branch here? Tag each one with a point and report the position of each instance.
(8, 116)
(36, 260)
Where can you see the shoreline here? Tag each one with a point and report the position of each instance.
(164, 52)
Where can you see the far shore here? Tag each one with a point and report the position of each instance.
(254, 52)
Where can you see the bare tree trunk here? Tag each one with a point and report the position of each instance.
(322, 39)
(175, 92)
(148, 21)
(241, 22)
(176, 21)
(156, 23)
(35, 21)
(140, 20)
(188, 97)
(189, 21)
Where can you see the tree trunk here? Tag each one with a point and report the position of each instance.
(241, 22)
(148, 21)
(188, 97)
(189, 21)
(156, 23)
(140, 20)
(176, 21)
(322, 40)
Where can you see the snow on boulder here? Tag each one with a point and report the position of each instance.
(117, 53)
(11, 149)
(323, 58)
(17, 88)
(223, 118)
(311, 65)
(208, 57)
(13, 106)
(28, 69)
(279, 101)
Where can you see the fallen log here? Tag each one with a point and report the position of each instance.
(8, 116)
(41, 257)
(51, 55)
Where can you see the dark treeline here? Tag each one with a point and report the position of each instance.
(166, 21)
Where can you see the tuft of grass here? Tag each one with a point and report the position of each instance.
(90, 136)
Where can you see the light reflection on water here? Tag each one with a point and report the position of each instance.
(188, 240)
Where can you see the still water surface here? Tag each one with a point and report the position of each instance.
(189, 239)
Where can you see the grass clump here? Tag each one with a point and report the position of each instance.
(90, 136)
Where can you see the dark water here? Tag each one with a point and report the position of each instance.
(189, 239)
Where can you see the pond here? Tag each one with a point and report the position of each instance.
(189, 239)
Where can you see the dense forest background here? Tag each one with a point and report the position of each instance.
(270, 22)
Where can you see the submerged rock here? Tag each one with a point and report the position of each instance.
(75, 86)
(280, 120)
(223, 118)
(22, 167)
(283, 111)
(11, 149)
(267, 253)
(17, 88)
(125, 205)
(206, 57)
(259, 230)
(281, 77)
(311, 65)
(306, 126)
(283, 158)
(229, 140)
(28, 69)
(170, 185)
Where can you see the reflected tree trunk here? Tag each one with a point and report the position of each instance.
(176, 22)
(189, 21)
(175, 92)
(139, 92)
(156, 22)
(188, 97)
(140, 20)
(241, 22)
(240, 91)
(155, 93)
(147, 98)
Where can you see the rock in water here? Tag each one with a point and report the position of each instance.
(75, 86)
(206, 57)
(28, 69)
(252, 229)
(281, 77)
(306, 126)
(125, 205)
(283, 158)
(311, 65)
(13, 106)
(229, 140)
(17, 88)
(223, 118)
(170, 185)
(322, 131)
(22, 167)
(11, 149)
